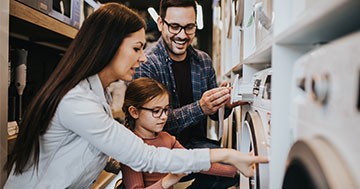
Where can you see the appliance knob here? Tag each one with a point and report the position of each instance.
(320, 88)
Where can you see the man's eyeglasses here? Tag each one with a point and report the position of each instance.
(176, 28)
(157, 112)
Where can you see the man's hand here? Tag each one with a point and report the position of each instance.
(228, 103)
(214, 99)
(234, 104)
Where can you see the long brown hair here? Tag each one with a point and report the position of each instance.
(92, 49)
(139, 92)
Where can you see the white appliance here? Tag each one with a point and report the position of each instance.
(326, 118)
(255, 130)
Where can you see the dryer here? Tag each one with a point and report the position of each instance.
(326, 118)
(255, 130)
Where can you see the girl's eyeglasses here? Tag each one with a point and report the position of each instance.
(157, 112)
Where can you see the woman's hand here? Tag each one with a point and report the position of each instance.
(245, 163)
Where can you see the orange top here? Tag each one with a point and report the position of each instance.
(133, 179)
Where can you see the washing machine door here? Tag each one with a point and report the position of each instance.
(315, 164)
(253, 139)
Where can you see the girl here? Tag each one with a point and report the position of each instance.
(68, 131)
(146, 108)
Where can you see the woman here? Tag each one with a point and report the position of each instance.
(68, 131)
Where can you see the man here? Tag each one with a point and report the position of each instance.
(190, 77)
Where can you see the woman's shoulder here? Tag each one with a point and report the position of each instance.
(84, 90)
(81, 89)
(79, 98)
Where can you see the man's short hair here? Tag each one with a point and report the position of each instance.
(165, 4)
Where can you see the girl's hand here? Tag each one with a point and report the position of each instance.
(171, 179)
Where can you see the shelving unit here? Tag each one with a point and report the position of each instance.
(4, 40)
(20, 21)
(30, 24)
(29, 15)
(298, 27)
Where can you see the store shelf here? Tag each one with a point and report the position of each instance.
(37, 26)
(262, 54)
(322, 24)
(237, 69)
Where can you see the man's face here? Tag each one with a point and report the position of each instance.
(178, 18)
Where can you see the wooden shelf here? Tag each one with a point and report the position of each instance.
(38, 18)
(30, 24)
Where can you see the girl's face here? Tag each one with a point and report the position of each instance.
(128, 57)
(147, 122)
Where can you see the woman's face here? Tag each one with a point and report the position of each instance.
(146, 125)
(127, 58)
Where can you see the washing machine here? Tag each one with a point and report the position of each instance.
(254, 135)
(326, 118)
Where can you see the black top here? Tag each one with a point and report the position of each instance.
(182, 75)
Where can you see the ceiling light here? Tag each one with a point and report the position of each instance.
(199, 19)
(153, 13)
